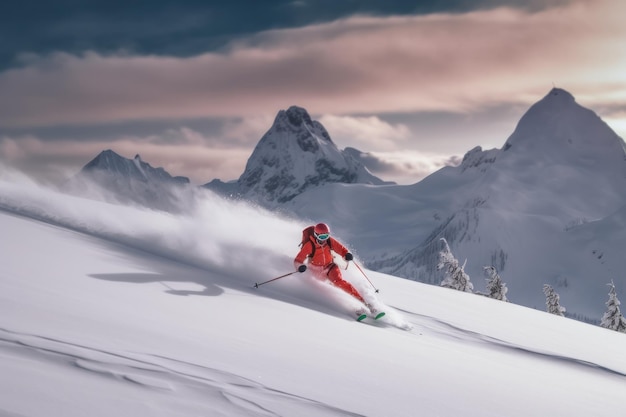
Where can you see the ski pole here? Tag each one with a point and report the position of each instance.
(368, 280)
(256, 285)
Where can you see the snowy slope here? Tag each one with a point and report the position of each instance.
(111, 310)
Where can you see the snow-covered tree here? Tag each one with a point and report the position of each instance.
(495, 287)
(613, 318)
(455, 276)
(552, 301)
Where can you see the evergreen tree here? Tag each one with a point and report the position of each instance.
(495, 287)
(613, 318)
(455, 276)
(552, 301)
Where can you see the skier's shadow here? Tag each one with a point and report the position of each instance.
(143, 278)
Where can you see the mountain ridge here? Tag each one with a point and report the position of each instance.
(129, 181)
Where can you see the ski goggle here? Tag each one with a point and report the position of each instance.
(322, 236)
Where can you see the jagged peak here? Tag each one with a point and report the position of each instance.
(104, 159)
(297, 115)
(559, 122)
(477, 150)
(294, 116)
(294, 127)
(560, 95)
(477, 157)
(297, 153)
(556, 100)
(108, 153)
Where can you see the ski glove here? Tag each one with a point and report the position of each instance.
(302, 268)
(348, 257)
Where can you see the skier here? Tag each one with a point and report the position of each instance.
(316, 248)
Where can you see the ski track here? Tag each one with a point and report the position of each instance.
(445, 329)
(220, 389)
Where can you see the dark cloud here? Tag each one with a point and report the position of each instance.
(187, 27)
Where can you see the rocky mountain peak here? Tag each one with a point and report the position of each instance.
(294, 116)
(128, 180)
(295, 154)
(557, 124)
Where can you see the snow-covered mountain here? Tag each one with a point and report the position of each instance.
(295, 155)
(129, 180)
(114, 310)
(520, 208)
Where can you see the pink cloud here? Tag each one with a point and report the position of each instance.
(369, 133)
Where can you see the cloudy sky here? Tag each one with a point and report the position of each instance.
(192, 85)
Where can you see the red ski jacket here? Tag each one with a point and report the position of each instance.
(319, 255)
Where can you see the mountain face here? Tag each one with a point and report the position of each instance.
(534, 209)
(129, 180)
(116, 166)
(295, 155)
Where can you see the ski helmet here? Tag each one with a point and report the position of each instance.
(321, 231)
(321, 228)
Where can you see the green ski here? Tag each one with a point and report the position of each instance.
(362, 317)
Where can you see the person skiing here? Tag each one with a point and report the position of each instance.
(316, 249)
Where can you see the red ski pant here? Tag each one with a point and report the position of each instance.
(333, 273)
